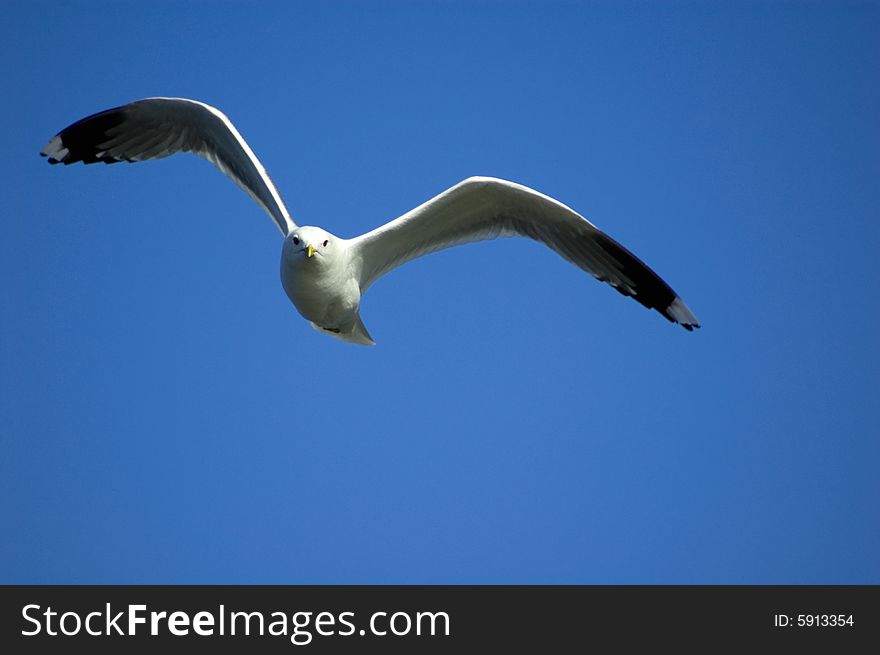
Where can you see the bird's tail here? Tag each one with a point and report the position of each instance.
(355, 332)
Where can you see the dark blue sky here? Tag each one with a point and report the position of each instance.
(167, 417)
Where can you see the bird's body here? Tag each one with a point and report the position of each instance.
(324, 286)
(325, 276)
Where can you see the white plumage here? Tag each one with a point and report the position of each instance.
(324, 275)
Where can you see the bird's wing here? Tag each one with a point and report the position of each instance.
(157, 127)
(485, 208)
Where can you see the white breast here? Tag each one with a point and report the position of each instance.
(322, 289)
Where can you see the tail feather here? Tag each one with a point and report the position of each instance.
(354, 332)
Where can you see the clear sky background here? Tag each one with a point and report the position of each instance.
(167, 417)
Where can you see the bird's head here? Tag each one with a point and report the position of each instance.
(310, 243)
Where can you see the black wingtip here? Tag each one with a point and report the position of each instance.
(81, 140)
(647, 287)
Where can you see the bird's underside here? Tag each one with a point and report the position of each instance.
(324, 275)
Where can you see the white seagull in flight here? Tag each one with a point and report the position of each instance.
(325, 276)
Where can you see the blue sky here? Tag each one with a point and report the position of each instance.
(167, 417)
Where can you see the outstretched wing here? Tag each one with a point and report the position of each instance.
(157, 127)
(485, 208)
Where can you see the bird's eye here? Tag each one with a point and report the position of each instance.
(295, 241)
(326, 242)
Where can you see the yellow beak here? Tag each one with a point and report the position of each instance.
(310, 250)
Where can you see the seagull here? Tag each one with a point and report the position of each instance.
(325, 276)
